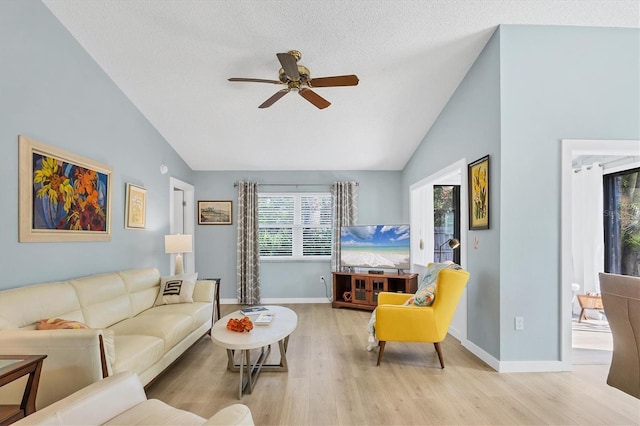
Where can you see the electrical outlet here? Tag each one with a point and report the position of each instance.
(519, 323)
(321, 278)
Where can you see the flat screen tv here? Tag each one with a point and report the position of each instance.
(375, 246)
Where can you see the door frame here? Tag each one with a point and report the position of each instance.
(570, 149)
(189, 221)
(420, 201)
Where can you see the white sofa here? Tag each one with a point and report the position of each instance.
(120, 400)
(127, 332)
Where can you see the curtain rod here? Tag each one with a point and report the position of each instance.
(235, 185)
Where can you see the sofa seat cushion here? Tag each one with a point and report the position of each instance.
(171, 328)
(199, 312)
(155, 412)
(137, 353)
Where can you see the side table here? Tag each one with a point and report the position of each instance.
(12, 367)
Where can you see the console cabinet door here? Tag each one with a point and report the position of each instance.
(365, 289)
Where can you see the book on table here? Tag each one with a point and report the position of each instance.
(253, 310)
(264, 318)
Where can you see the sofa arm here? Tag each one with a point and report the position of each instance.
(236, 414)
(75, 359)
(203, 291)
(95, 404)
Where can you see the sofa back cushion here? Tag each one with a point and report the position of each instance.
(23, 307)
(103, 298)
(143, 286)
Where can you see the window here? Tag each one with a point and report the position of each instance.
(622, 222)
(294, 225)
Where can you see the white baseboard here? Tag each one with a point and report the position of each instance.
(482, 354)
(279, 301)
(514, 366)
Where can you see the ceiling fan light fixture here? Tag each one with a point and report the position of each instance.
(298, 77)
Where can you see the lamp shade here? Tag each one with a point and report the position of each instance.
(178, 243)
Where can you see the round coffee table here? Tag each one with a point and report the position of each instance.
(261, 337)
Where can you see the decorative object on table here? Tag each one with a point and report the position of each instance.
(136, 210)
(346, 296)
(215, 212)
(264, 319)
(453, 244)
(253, 310)
(178, 244)
(62, 196)
(240, 325)
(478, 174)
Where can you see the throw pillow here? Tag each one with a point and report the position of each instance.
(59, 324)
(176, 289)
(426, 293)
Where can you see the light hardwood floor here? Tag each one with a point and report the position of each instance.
(333, 380)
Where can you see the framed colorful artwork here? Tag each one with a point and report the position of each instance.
(479, 194)
(215, 212)
(136, 207)
(62, 196)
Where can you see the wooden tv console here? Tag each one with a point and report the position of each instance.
(360, 290)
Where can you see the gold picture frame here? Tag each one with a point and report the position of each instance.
(478, 175)
(62, 196)
(215, 212)
(136, 207)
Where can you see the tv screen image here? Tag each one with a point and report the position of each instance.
(375, 246)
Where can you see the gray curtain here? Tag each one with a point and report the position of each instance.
(344, 197)
(248, 244)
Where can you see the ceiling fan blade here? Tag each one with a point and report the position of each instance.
(314, 98)
(289, 65)
(338, 80)
(272, 100)
(255, 80)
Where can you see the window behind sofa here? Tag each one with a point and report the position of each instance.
(295, 225)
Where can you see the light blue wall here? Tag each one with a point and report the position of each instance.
(469, 128)
(379, 201)
(52, 91)
(531, 87)
(557, 83)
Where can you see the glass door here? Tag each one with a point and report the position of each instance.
(446, 217)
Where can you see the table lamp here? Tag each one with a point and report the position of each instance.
(178, 244)
(453, 243)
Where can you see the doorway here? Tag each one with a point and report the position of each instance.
(572, 149)
(181, 219)
(423, 244)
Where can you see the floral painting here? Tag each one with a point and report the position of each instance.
(68, 195)
(479, 194)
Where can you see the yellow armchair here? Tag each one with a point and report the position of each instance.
(396, 322)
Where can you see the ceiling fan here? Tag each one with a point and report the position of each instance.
(297, 77)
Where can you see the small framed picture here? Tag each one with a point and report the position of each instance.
(215, 213)
(479, 194)
(135, 217)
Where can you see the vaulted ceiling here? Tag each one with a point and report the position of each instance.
(172, 59)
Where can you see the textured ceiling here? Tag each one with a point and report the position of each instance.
(172, 59)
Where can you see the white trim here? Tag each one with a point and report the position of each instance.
(572, 148)
(189, 221)
(422, 191)
(530, 366)
(482, 354)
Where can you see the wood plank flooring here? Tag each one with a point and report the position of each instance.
(333, 380)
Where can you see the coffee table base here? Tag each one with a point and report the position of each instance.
(252, 370)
